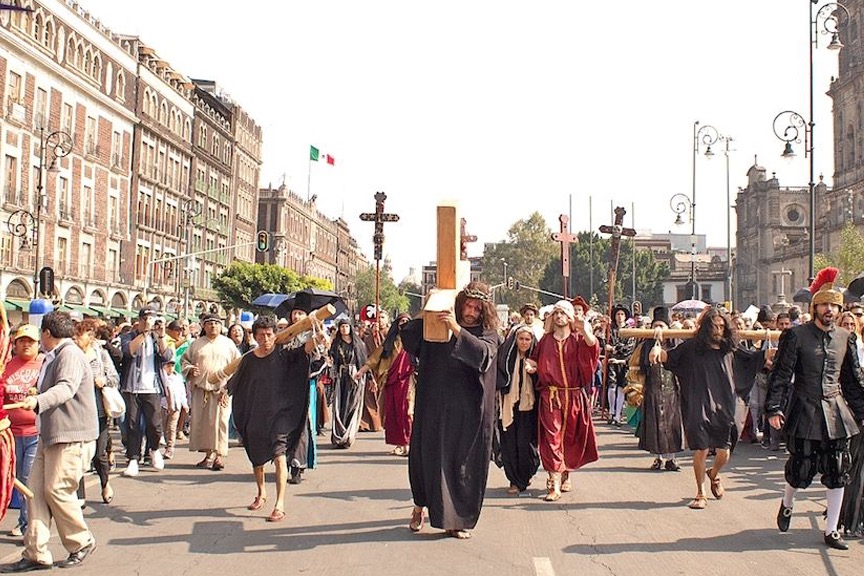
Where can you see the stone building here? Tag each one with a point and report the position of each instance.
(307, 241)
(115, 221)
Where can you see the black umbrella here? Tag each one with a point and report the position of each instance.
(802, 296)
(310, 299)
(849, 297)
(856, 287)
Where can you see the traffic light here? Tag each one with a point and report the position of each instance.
(263, 243)
(46, 281)
(517, 285)
(510, 282)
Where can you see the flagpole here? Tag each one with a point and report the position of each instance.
(309, 179)
(591, 245)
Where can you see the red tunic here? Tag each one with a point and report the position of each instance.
(565, 372)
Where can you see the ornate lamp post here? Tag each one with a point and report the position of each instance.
(22, 223)
(788, 125)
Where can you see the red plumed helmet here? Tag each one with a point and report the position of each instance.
(825, 276)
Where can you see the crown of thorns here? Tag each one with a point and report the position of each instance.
(476, 294)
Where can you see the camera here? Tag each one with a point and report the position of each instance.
(158, 320)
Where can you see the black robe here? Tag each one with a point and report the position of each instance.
(660, 431)
(271, 402)
(454, 416)
(708, 390)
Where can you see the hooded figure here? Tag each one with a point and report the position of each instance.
(517, 423)
(348, 354)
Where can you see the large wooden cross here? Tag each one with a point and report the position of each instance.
(379, 217)
(617, 230)
(565, 238)
(450, 234)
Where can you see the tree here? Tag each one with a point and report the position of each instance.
(590, 256)
(848, 257)
(527, 252)
(392, 300)
(242, 282)
(413, 292)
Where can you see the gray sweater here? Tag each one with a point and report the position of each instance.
(66, 403)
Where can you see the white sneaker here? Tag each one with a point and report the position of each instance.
(131, 469)
(156, 460)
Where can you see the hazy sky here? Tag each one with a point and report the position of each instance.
(509, 107)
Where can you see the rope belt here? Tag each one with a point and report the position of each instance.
(553, 393)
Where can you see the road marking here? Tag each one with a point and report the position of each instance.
(543, 567)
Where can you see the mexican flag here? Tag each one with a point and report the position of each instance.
(315, 155)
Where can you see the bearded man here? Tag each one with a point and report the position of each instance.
(565, 360)
(454, 413)
(708, 367)
(825, 407)
(210, 404)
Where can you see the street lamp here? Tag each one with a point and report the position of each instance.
(704, 136)
(825, 21)
(23, 222)
(728, 284)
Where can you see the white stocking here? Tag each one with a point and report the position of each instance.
(788, 495)
(835, 502)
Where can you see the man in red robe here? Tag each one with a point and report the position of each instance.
(565, 361)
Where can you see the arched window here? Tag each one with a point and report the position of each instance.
(97, 67)
(70, 50)
(120, 86)
(37, 27)
(187, 129)
(163, 114)
(175, 125)
(48, 37)
(850, 146)
(154, 105)
(88, 62)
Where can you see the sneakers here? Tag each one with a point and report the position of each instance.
(17, 532)
(156, 460)
(131, 469)
(784, 517)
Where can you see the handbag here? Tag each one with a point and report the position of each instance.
(113, 402)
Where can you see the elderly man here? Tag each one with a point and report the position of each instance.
(210, 406)
(454, 413)
(565, 360)
(66, 406)
(818, 362)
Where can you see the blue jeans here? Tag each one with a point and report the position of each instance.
(25, 453)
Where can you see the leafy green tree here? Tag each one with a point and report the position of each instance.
(242, 282)
(413, 292)
(392, 300)
(848, 257)
(527, 251)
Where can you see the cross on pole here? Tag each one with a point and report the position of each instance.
(565, 238)
(617, 230)
(379, 217)
(464, 239)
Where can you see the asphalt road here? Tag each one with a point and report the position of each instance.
(350, 516)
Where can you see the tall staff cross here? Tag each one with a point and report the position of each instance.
(565, 238)
(617, 230)
(379, 217)
(464, 239)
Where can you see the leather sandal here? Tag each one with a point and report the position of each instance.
(257, 503)
(698, 503)
(416, 523)
(205, 463)
(716, 487)
(276, 516)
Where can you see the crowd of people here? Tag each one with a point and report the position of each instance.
(523, 396)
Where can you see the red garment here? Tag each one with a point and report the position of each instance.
(565, 372)
(17, 378)
(397, 422)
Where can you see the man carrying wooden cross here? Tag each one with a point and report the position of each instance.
(708, 366)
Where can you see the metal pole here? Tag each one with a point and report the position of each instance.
(633, 248)
(591, 246)
(39, 188)
(694, 294)
(811, 185)
(728, 233)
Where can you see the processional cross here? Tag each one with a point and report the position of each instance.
(379, 217)
(565, 238)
